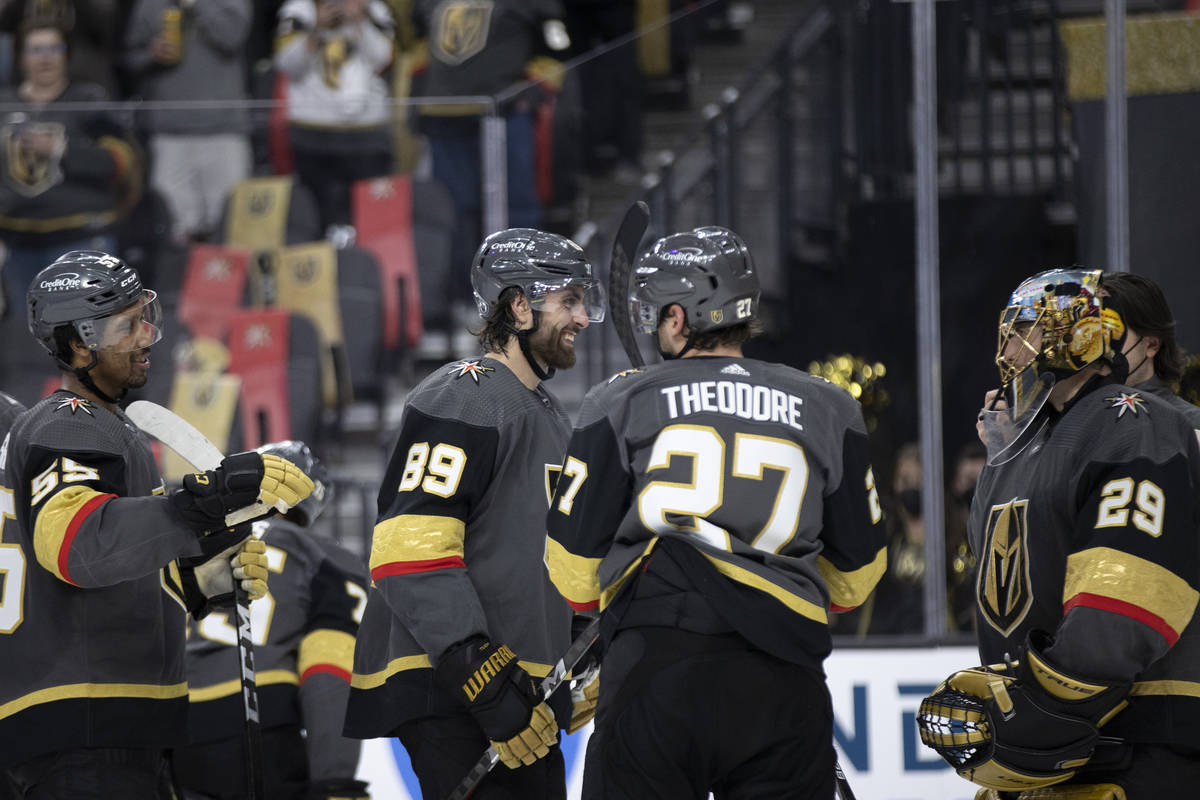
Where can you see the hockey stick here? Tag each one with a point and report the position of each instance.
(620, 270)
(843, 786)
(194, 447)
(547, 687)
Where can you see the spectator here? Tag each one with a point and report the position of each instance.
(91, 29)
(333, 53)
(964, 474)
(67, 175)
(479, 54)
(185, 50)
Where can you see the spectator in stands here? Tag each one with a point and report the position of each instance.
(964, 474)
(333, 53)
(475, 53)
(185, 50)
(65, 176)
(612, 85)
(92, 31)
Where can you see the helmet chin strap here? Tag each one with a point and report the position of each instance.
(691, 340)
(85, 377)
(523, 341)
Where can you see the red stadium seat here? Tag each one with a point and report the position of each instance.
(213, 286)
(383, 222)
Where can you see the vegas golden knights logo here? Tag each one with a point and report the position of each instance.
(461, 29)
(260, 202)
(32, 154)
(553, 471)
(1002, 586)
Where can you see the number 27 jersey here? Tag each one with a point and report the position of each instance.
(761, 468)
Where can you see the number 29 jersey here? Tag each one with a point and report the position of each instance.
(760, 468)
(1092, 533)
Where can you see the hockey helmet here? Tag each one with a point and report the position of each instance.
(87, 289)
(536, 262)
(1060, 324)
(307, 510)
(707, 271)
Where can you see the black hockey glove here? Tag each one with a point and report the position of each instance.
(338, 789)
(501, 696)
(1017, 732)
(241, 480)
(208, 583)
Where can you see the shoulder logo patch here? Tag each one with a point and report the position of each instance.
(735, 369)
(75, 404)
(472, 368)
(1127, 401)
(625, 373)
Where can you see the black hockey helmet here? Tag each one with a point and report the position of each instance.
(538, 263)
(84, 289)
(307, 510)
(707, 271)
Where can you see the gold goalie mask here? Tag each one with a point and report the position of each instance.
(1054, 325)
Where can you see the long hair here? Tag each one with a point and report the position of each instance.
(1144, 309)
(499, 324)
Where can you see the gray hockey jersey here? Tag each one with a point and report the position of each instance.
(759, 468)
(303, 633)
(91, 623)
(1092, 533)
(457, 547)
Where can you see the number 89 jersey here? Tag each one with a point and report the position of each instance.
(761, 468)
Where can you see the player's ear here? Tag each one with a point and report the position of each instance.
(676, 318)
(521, 311)
(1153, 345)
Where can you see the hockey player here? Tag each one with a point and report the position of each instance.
(92, 616)
(715, 508)
(10, 409)
(303, 645)
(461, 618)
(1150, 347)
(1084, 524)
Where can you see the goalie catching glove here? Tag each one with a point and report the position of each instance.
(241, 480)
(1012, 732)
(501, 697)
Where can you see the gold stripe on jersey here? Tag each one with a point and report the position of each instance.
(1186, 688)
(373, 680)
(229, 688)
(611, 591)
(94, 691)
(50, 532)
(416, 537)
(804, 608)
(849, 589)
(574, 576)
(324, 648)
(1124, 578)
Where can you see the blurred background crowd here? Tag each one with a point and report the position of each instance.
(304, 182)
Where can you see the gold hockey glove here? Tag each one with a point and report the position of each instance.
(585, 693)
(209, 584)
(241, 480)
(1017, 729)
(502, 698)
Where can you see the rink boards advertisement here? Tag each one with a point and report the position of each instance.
(875, 697)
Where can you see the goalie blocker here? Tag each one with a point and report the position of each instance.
(1012, 727)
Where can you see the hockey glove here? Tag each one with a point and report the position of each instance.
(585, 693)
(213, 579)
(1013, 732)
(241, 480)
(338, 789)
(501, 696)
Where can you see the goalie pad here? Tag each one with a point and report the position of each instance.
(1018, 727)
(1080, 791)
